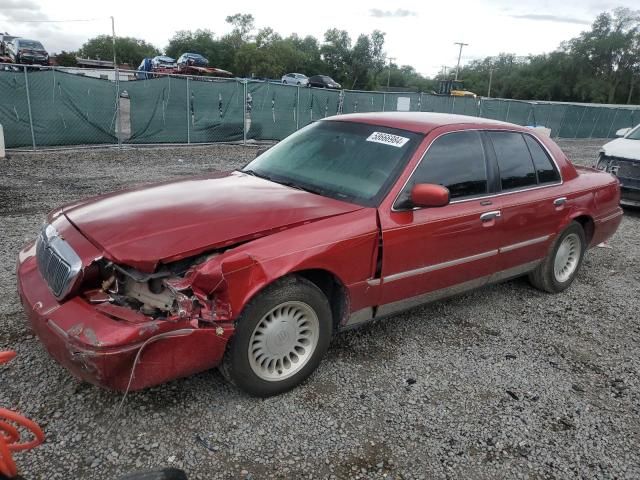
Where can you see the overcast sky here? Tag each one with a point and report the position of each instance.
(419, 33)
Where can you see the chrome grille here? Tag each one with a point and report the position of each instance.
(59, 265)
(627, 169)
(621, 167)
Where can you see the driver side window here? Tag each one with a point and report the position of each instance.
(454, 160)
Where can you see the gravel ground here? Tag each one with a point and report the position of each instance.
(505, 382)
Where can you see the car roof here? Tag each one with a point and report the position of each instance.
(419, 122)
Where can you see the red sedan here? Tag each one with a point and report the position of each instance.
(348, 220)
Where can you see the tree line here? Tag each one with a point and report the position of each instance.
(601, 65)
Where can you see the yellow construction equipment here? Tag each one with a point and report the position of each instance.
(454, 88)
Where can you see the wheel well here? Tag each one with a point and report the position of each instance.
(588, 226)
(333, 289)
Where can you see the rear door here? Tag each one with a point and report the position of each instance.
(530, 201)
(432, 252)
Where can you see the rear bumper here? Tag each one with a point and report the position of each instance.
(101, 350)
(606, 226)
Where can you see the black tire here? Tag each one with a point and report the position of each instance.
(544, 276)
(236, 366)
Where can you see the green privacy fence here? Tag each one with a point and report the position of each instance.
(54, 107)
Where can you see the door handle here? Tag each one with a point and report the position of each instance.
(560, 201)
(487, 216)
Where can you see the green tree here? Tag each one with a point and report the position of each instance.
(128, 49)
(610, 51)
(66, 59)
(336, 54)
(203, 42)
(600, 65)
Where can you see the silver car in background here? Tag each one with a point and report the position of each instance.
(295, 79)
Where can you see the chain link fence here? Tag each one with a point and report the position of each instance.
(49, 107)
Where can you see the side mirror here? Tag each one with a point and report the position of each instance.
(429, 195)
(622, 132)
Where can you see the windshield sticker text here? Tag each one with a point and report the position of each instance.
(388, 139)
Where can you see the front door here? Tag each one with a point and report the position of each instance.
(433, 252)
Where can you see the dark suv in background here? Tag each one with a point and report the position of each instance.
(29, 52)
(323, 81)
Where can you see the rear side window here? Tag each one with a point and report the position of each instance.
(545, 169)
(514, 160)
(456, 161)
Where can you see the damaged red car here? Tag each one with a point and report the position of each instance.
(348, 220)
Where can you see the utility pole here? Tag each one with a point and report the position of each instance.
(490, 78)
(117, 74)
(389, 72)
(459, 55)
(444, 72)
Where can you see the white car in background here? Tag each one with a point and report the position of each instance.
(621, 157)
(295, 79)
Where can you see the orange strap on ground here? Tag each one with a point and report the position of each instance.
(10, 434)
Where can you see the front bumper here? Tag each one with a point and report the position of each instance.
(101, 349)
(628, 173)
(29, 60)
(630, 196)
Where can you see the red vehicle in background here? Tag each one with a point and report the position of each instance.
(348, 220)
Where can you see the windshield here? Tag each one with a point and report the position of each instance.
(634, 134)
(345, 160)
(30, 44)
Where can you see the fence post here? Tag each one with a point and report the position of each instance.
(118, 126)
(506, 118)
(298, 109)
(384, 101)
(26, 84)
(188, 113)
(244, 113)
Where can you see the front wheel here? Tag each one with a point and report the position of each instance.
(559, 269)
(281, 337)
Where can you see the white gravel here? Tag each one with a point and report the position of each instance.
(505, 382)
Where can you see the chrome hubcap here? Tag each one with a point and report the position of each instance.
(567, 258)
(283, 341)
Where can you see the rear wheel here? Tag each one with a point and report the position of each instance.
(281, 337)
(559, 269)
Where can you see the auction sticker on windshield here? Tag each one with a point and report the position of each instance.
(387, 139)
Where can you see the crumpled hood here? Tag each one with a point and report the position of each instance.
(623, 148)
(173, 220)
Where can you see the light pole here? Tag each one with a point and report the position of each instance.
(389, 72)
(459, 55)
